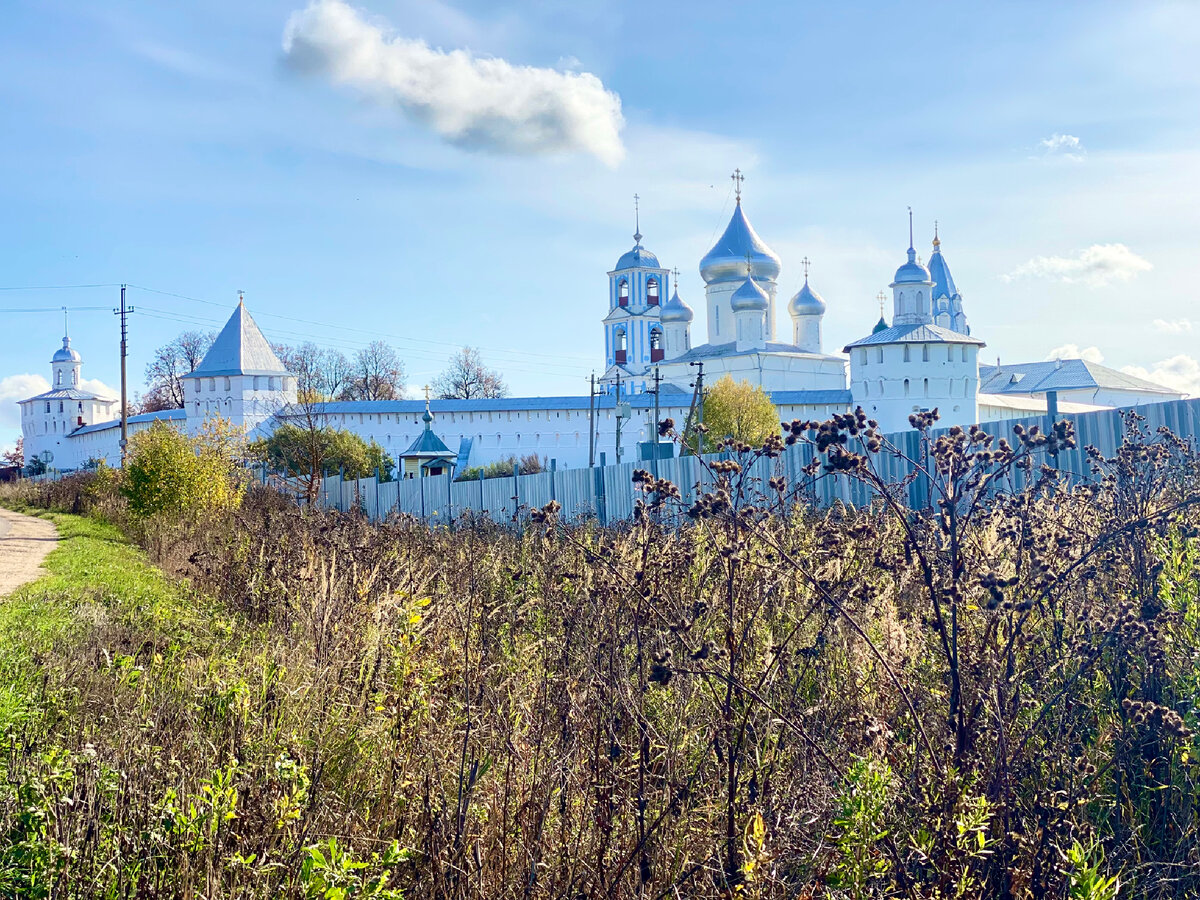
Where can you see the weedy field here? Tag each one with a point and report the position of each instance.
(993, 697)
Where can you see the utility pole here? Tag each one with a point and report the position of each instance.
(654, 435)
(617, 410)
(592, 423)
(123, 312)
(696, 410)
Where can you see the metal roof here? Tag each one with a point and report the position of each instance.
(914, 334)
(943, 281)
(427, 444)
(240, 349)
(726, 261)
(169, 415)
(704, 351)
(66, 394)
(637, 258)
(1061, 375)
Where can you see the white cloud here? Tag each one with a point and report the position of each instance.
(1074, 351)
(1064, 146)
(12, 389)
(99, 388)
(473, 102)
(1173, 326)
(1180, 372)
(1097, 266)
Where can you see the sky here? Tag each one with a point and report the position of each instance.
(440, 174)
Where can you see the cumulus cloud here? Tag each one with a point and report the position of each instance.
(1182, 373)
(480, 103)
(1074, 351)
(1097, 266)
(1173, 326)
(12, 389)
(1064, 146)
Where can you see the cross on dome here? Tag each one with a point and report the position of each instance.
(805, 262)
(738, 178)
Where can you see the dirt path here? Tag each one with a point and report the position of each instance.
(24, 543)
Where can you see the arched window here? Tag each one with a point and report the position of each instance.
(880, 387)
(47, 406)
(652, 292)
(656, 347)
(906, 352)
(949, 353)
(623, 292)
(925, 389)
(866, 389)
(58, 378)
(227, 384)
(905, 387)
(963, 351)
(619, 345)
(60, 406)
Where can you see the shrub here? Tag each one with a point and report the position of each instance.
(168, 472)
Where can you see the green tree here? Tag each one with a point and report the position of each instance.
(738, 410)
(307, 452)
(169, 472)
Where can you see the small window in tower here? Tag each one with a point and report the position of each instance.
(75, 377)
(925, 389)
(880, 387)
(906, 384)
(949, 353)
(197, 385)
(623, 293)
(924, 353)
(878, 354)
(906, 354)
(227, 384)
(963, 351)
(60, 406)
(652, 292)
(58, 378)
(212, 384)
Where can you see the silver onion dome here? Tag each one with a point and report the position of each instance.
(675, 310)
(749, 296)
(912, 272)
(807, 302)
(726, 261)
(66, 354)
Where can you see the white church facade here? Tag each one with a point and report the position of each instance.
(926, 357)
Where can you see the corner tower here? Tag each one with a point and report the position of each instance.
(240, 378)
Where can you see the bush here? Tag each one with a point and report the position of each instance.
(530, 464)
(168, 472)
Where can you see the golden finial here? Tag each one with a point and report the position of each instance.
(936, 241)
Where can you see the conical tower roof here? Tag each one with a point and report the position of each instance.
(240, 349)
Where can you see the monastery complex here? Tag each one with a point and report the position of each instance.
(925, 357)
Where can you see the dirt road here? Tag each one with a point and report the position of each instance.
(24, 543)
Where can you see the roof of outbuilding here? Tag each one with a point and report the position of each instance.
(240, 349)
(914, 334)
(166, 415)
(1061, 375)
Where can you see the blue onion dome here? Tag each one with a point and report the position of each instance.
(749, 296)
(881, 325)
(912, 272)
(675, 310)
(807, 302)
(726, 261)
(66, 354)
(638, 257)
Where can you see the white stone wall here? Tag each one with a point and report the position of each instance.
(891, 381)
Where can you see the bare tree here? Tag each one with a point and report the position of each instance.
(321, 373)
(377, 373)
(171, 362)
(467, 378)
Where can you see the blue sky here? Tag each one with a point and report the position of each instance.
(181, 148)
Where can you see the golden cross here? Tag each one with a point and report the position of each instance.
(426, 393)
(738, 178)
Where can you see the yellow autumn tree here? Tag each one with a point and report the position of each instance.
(739, 410)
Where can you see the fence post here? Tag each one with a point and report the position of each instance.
(377, 482)
(421, 485)
(450, 500)
(598, 491)
(516, 490)
(553, 478)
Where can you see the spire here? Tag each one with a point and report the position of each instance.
(637, 220)
(936, 242)
(66, 331)
(738, 178)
